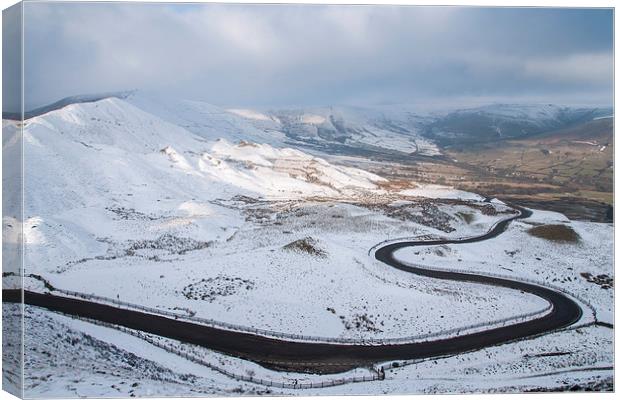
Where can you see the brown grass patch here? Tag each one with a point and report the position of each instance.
(306, 245)
(555, 233)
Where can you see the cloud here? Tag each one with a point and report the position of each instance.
(268, 55)
(11, 52)
(588, 68)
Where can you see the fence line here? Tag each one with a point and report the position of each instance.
(280, 384)
(310, 338)
(223, 371)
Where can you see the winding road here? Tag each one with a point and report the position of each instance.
(331, 357)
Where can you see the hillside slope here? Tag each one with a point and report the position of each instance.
(503, 121)
(89, 165)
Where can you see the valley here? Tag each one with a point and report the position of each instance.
(569, 171)
(275, 224)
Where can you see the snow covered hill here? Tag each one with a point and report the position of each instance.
(90, 153)
(208, 121)
(377, 129)
(90, 166)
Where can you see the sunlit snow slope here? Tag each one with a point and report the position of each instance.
(93, 153)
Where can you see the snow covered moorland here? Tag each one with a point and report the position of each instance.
(218, 217)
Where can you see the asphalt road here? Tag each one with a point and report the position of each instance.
(329, 358)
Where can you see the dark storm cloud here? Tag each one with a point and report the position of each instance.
(295, 54)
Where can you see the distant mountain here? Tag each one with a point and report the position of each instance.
(328, 130)
(504, 121)
(597, 131)
(363, 128)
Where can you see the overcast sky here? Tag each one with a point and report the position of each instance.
(281, 55)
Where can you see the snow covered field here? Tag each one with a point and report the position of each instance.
(210, 213)
(253, 279)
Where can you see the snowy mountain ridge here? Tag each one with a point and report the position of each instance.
(120, 147)
(399, 130)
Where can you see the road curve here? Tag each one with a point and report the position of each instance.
(328, 357)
